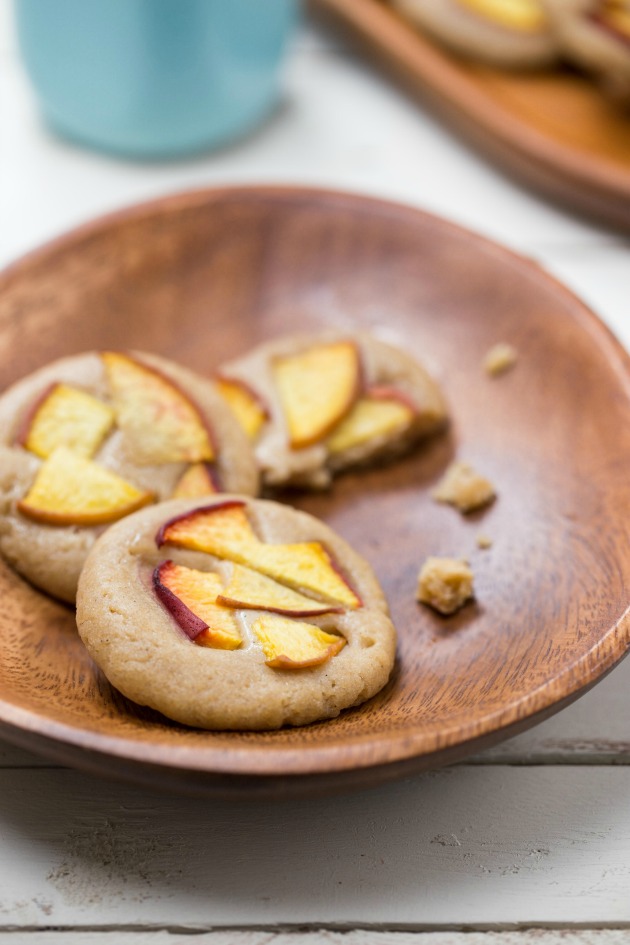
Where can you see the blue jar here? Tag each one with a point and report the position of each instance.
(154, 78)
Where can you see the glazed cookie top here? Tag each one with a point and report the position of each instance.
(236, 613)
(313, 405)
(91, 438)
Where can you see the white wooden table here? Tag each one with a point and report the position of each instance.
(527, 843)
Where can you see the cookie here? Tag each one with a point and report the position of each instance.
(515, 34)
(595, 34)
(93, 437)
(234, 614)
(314, 405)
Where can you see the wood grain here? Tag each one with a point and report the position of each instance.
(553, 129)
(320, 937)
(199, 277)
(465, 847)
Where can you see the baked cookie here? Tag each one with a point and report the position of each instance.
(316, 404)
(506, 33)
(595, 34)
(91, 438)
(234, 614)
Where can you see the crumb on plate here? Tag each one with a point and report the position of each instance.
(445, 584)
(499, 359)
(464, 488)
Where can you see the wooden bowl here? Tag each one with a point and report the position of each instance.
(553, 128)
(200, 277)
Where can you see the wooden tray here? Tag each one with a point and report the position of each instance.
(552, 129)
(200, 277)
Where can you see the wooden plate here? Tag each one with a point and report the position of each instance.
(201, 276)
(553, 129)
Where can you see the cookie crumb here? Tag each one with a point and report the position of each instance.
(484, 541)
(464, 488)
(499, 359)
(445, 584)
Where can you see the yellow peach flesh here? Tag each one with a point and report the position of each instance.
(370, 419)
(72, 490)
(246, 408)
(195, 483)
(293, 644)
(161, 424)
(221, 530)
(68, 417)
(225, 531)
(617, 14)
(305, 566)
(254, 591)
(317, 388)
(527, 16)
(198, 590)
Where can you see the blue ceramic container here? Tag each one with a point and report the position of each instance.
(154, 78)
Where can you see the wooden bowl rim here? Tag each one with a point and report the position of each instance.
(583, 181)
(445, 73)
(359, 751)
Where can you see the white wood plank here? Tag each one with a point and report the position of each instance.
(321, 937)
(319, 136)
(593, 730)
(468, 846)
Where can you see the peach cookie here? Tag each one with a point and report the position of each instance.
(236, 614)
(314, 405)
(595, 34)
(92, 438)
(508, 33)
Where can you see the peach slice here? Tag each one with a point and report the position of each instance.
(247, 406)
(317, 388)
(161, 422)
(72, 490)
(525, 15)
(198, 480)
(225, 531)
(293, 644)
(254, 591)
(382, 412)
(222, 529)
(66, 416)
(306, 566)
(615, 16)
(190, 596)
